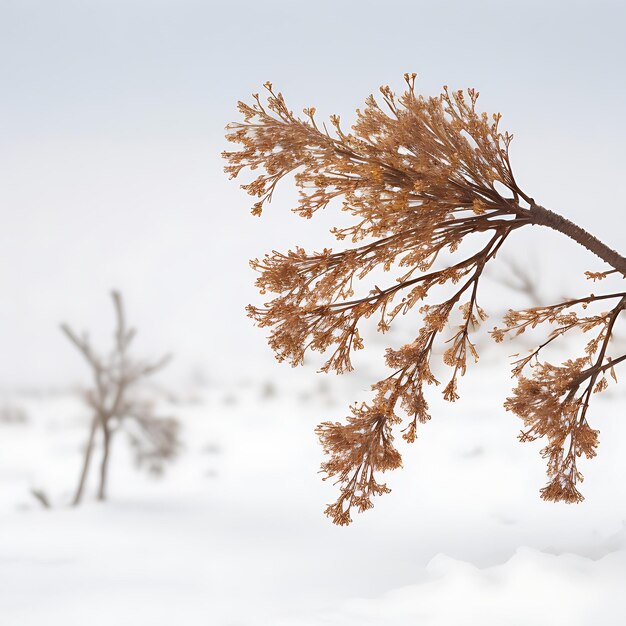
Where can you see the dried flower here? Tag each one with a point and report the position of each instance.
(419, 176)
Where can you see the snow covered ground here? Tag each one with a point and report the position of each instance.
(233, 534)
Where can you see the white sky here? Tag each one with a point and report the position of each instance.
(111, 125)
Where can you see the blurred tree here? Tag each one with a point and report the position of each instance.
(520, 278)
(116, 404)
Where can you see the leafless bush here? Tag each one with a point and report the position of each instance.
(116, 405)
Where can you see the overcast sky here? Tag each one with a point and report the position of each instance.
(111, 125)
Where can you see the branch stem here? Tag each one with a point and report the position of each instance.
(545, 217)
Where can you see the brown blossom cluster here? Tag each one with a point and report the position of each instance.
(422, 178)
(554, 400)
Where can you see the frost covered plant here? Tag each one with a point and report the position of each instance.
(116, 404)
(419, 176)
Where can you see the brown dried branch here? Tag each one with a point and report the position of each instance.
(420, 176)
(553, 402)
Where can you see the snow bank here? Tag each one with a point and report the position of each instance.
(233, 533)
(531, 588)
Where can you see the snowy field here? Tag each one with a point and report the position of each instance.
(112, 122)
(233, 533)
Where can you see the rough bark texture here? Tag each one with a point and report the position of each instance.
(544, 217)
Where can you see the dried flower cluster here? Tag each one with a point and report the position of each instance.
(419, 176)
(553, 402)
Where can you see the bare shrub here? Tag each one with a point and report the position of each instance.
(116, 404)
